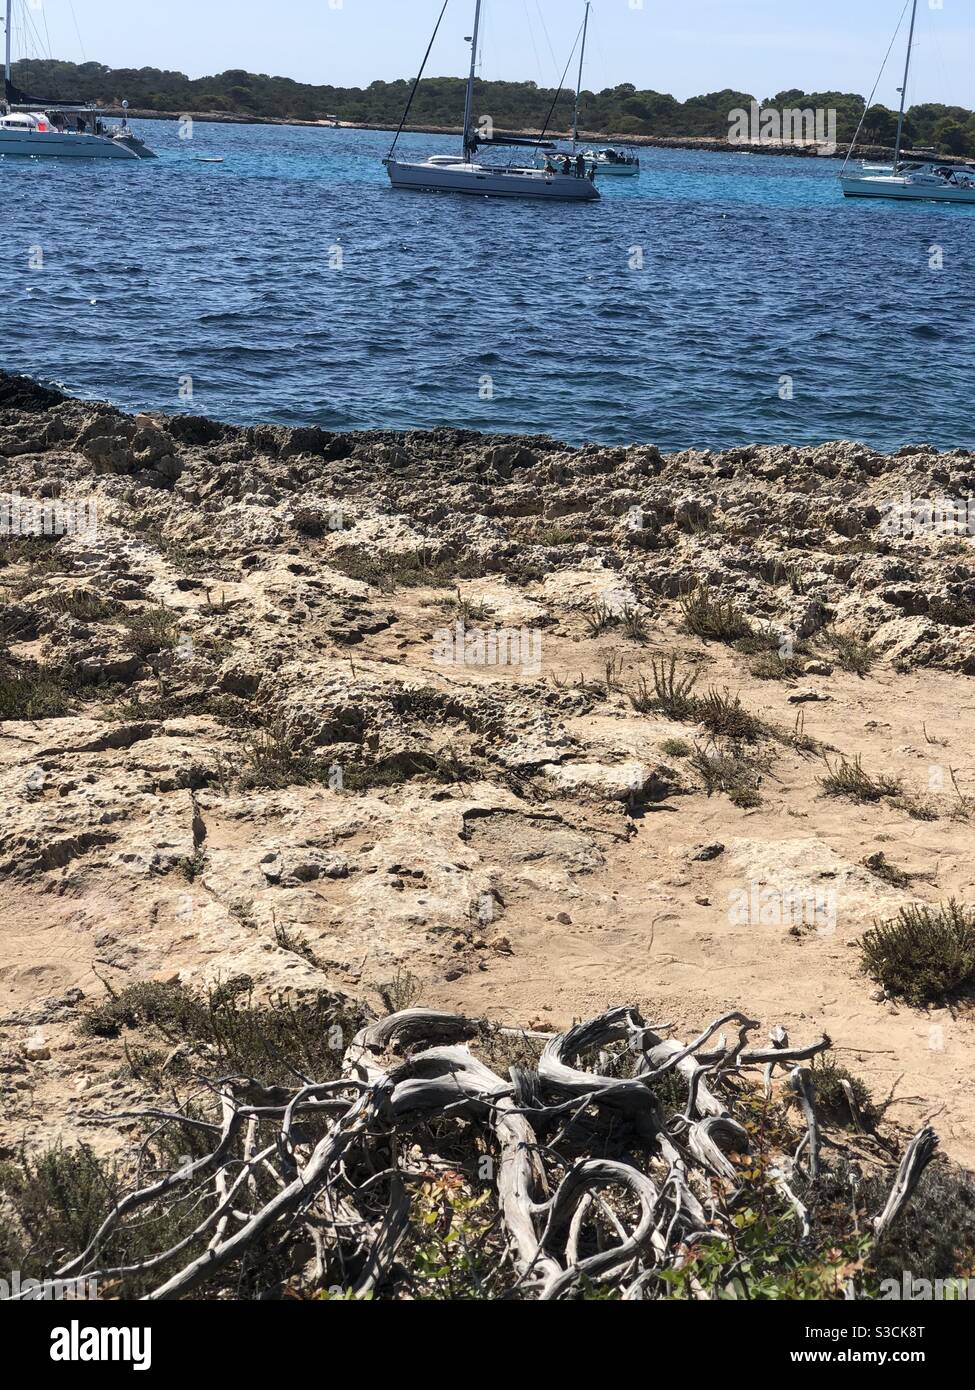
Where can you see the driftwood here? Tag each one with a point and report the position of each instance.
(594, 1178)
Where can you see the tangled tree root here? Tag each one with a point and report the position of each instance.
(612, 1177)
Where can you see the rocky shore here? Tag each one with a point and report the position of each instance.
(543, 728)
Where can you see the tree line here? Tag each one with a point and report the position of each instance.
(617, 111)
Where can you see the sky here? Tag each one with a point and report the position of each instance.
(686, 48)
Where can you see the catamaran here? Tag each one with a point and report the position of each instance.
(464, 174)
(929, 180)
(35, 128)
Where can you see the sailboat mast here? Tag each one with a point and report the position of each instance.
(582, 62)
(469, 142)
(7, 36)
(907, 73)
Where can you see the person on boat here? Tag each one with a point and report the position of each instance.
(580, 166)
(567, 165)
(549, 166)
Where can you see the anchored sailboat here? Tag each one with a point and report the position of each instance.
(35, 128)
(463, 173)
(919, 179)
(615, 163)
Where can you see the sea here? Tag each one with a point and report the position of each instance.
(717, 300)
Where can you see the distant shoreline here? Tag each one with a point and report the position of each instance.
(708, 143)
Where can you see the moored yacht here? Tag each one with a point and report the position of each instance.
(598, 163)
(465, 174)
(33, 128)
(923, 180)
(617, 164)
(920, 180)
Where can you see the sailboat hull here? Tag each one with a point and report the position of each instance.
(54, 145)
(880, 186)
(481, 181)
(617, 171)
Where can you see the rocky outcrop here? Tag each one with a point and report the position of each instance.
(323, 708)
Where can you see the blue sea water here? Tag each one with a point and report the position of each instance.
(768, 308)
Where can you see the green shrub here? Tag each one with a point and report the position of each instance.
(31, 692)
(851, 779)
(924, 954)
(716, 620)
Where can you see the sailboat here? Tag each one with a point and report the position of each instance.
(32, 127)
(927, 180)
(614, 163)
(464, 174)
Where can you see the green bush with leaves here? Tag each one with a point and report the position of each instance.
(925, 954)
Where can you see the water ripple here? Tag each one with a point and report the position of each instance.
(293, 285)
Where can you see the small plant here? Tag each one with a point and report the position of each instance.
(599, 617)
(716, 620)
(676, 748)
(725, 716)
(555, 536)
(399, 993)
(453, 1255)
(152, 630)
(924, 955)
(192, 865)
(466, 610)
(851, 654)
(850, 779)
(272, 1041)
(951, 612)
(672, 692)
(771, 666)
(843, 1097)
(633, 623)
(613, 674)
(295, 943)
(31, 692)
(880, 865)
(83, 604)
(728, 772)
(272, 759)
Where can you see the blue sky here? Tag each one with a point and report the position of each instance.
(690, 47)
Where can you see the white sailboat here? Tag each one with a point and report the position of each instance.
(926, 180)
(33, 128)
(604, 163)
(607, 163)
(464, 174)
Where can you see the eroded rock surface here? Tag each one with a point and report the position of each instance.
(253, 723)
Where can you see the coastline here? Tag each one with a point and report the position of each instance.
(707, 144)
(262, 656)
